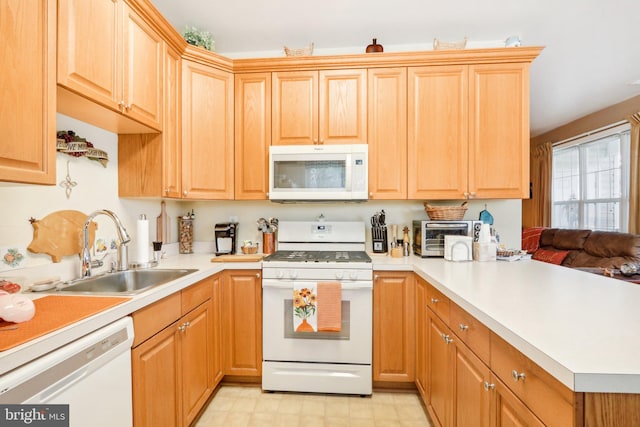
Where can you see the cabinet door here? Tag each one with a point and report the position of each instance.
(27, 111)
(437, 132)
(171, 128)
(499, 130)
(470, 398)
(89, 60)
(196, 346)
(216, 326)
(439, 371)
(207, 132)
(242, 322)
(295, 108)
(343, 107)
(142, 70)
(252, 135)
(387, 133)
(421, 337)
(156, 369)
(393, 327)
(508, 410)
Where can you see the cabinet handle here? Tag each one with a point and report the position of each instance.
(434, 300)
(376, 277)
(447, 338)
(488, 386)
(258, 275)
(463, 327)
(517, 376)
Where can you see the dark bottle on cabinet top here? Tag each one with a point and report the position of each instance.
(374, 47)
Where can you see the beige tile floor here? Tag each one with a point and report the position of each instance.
(249, 406)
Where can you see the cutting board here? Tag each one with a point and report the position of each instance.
(54, 312)
(60, 233)
(239, 258)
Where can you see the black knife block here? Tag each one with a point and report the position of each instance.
(379, 239)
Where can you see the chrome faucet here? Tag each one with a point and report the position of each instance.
(123, 239)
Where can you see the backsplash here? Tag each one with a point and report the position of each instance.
(97, 188)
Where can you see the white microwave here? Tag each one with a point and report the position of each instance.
(318, 172)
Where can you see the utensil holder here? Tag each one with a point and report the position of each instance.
(185, 235)
(268, 243)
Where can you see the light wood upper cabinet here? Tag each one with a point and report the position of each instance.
(319, 107)
(393, 327)
(252, 135)
(111, 56)
(27, 111)
(463, 122)
(387, 133)
(207, 132)
(499, 130)
(437, 132)
(172, 126)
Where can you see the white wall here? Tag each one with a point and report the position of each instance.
(97, 188)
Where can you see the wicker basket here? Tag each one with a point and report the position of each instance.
(445, 212)
(304, 51)
(442, 45)
(249, 249)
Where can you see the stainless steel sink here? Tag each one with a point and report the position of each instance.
(128, 282)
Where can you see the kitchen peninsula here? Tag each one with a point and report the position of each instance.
(578, 327)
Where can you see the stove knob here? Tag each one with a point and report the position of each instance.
(339, 274)
(353, 275)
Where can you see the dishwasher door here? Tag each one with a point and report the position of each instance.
(92, 375)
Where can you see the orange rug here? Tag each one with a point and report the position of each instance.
(54, 312)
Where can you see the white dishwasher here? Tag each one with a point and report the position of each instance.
(92, 375)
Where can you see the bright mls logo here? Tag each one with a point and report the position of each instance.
(34, 415)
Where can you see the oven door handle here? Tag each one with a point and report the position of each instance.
(289, 285)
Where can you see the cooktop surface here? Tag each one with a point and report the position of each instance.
(319, 256)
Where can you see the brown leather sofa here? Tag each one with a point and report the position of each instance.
(586, 248)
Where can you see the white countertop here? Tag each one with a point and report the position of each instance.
(582, 328)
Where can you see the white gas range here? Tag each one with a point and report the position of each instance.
(315, 258)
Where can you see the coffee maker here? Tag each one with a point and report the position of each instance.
(225, 235)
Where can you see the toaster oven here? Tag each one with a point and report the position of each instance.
(428, 235)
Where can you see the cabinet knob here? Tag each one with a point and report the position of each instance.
(463, 327)
(127, 107)
(447, 338)
(376, 277)
(472, 194)
(434, 300)
(121, 105)
(184, 193)
(321, 141)
(315, 141)
(488, 386)
(466, 194)
(258, 275)
(517, 376)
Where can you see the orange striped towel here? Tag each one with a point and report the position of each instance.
(329, 306)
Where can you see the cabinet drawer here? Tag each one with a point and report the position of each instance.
(195, 295)
(549, 399)
(438, 303)
(473, 333)
(155, 317)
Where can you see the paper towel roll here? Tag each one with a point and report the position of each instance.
(142, 239)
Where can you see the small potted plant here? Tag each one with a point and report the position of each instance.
(196, 37)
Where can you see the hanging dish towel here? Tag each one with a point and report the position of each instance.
(329, 306)
(304, 308)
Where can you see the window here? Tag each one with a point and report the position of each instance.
(590, 181)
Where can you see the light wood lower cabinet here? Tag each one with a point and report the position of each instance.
(28, 91)
(242, 322)
(174, 370)
(393, 327)
(422, 335)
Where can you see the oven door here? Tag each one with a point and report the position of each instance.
(353, 344)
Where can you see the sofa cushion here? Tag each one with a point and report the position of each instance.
(570, 239)
(531, 238)
(546, 237)
(550, 256)
(608, 244)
